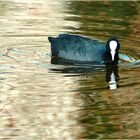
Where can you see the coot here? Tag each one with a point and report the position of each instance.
(83, 49)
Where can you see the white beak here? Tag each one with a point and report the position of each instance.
(113, 55)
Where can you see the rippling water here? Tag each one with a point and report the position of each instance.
(40, 100)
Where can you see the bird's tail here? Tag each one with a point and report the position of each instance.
(54, 45)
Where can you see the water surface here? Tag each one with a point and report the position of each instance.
(40, 100)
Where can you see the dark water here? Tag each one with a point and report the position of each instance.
(40, 100)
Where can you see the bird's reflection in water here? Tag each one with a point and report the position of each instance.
(87, 69)
(112, 76)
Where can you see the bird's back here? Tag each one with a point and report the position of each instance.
(74, 47)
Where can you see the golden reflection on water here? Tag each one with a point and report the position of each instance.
(34, 104)
(31, 18)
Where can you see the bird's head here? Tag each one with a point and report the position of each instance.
(113, 47)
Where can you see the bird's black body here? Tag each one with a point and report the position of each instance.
(83, 49)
